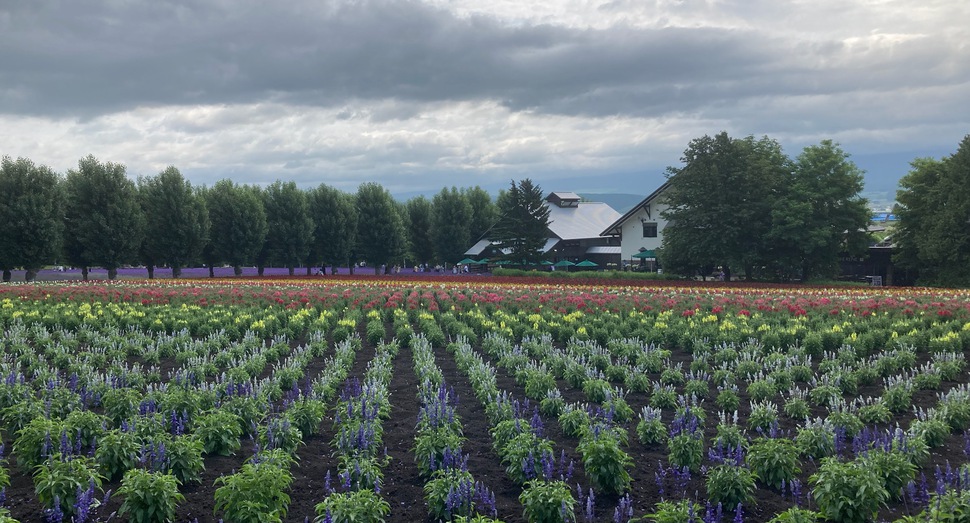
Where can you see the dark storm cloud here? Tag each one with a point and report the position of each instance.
(85, 58)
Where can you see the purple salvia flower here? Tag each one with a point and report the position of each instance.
(54, 515)
(739, 514)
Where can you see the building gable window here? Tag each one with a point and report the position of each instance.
(649, 229)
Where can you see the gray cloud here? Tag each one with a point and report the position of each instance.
(424, 94)
(83, 58)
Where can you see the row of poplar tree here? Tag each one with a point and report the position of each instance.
(96, 215)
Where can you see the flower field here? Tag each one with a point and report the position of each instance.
(481, 399)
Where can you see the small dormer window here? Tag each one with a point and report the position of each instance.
(563, 199)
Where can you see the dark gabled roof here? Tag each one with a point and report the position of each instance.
(614, 228)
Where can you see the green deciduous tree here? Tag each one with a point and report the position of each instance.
(451, 215)
(176, 221)
(522, 229)
(820, 214)
(484, 213)
(420, 243)
(720, 202)
(31, 206)
(289, 224)
(933, 234)
(380, 231)
(237, 223)
(103, 219)
(335, 220)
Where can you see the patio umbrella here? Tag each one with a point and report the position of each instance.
(586, 263)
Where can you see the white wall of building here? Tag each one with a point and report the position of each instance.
(632, 240)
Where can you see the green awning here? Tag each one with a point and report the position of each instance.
(645, 255)
(586, 263)
(563, 263)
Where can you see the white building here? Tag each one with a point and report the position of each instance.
(640, 230)
(573, 232)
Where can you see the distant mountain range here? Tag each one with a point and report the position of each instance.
(878, 200)
(618, 201)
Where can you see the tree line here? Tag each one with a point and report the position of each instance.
(742, 205)
(95, 215)
(735, 204)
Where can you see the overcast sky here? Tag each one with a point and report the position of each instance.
(581, 95)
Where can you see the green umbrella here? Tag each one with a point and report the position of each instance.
(467, 261)
(586, 263)
(645, 255)
(563, 263)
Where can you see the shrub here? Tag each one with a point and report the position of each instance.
(219, 432)
(184, 459)
(257, 493)
(547, 502)
(605, 462)
(895, 469)
(117, 453)
(816, 439)
(62, 478)
(650, 429)
(774, 460)
(359, 506)
(847, 492)
(730, 484)
(728, 399)
(149, 497)
(795, 515)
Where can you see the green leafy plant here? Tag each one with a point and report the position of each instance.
(553, 404)
(686, 450)
(762, 390)
(796, 408)
(730, 484)
(763, 416)
(184, 459)
(364, 473)
(605, 462)
(816, 439)
(117, 453)
(795, 515)
(574, 421)
(728, 399)
(149, 497)
(596, 390)
(219, 432)
(651, 429)
(516, 453)
(120, 404)
(547, 502)
(257, 493)
(61, 479)
(663, 396)
(280, 433)
(774, 460)
(894, 467)
(674, 511)
(430, 445)
(359, 506)
(874, 412)
(847, 492)
(442, 485)
(33, 443)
